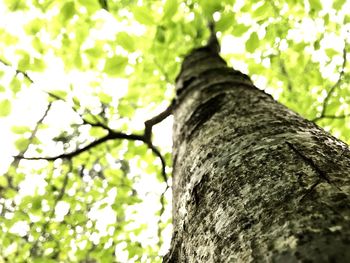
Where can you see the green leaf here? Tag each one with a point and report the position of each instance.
(36, 203)
(59, 93)
(95, 52)
(170, 9)
(262, 11)
(226, 21)
(24, 63)
(338, 4)
(331, 52)
(317, 45)
(5, 108)
(126, 41)
(91, 5)
(143, 15)
(2, 88)
(105, 98)
(115, 65)
(16, 5)
(315, 4)
(3, 182)
(239, 29)
(252, 43)
(15, 85)
(160, 34)
(20, 129)
(22, 144)
(43, 260)
(34, 26)
(36, 43)
(67, 11)
(38, 65)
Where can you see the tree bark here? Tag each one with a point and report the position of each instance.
(252, 180)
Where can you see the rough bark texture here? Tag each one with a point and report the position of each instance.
(252, 181)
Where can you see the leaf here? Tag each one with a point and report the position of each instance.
(3, 182)
(239, 29)
(43, 260)
(36, 203)
(24, 63)
(115, 65)
(262, 11)
(91, 5)
(16, 5)
(15, 85)
(160, 34)
(2, 88)
(36, 43)
(315, 4)
(20, 129)
(59, 93)
(38, 65)
(5, 108)
(317, 45)
(67, 11)
(331, 52)
(143, 15)
(338, 4)
(95, 52)
(105, 98)
(126, 41)
(104, 4)
(252, 43)
(226, 21)
(34, 26)
(170, 9)
(22, 144)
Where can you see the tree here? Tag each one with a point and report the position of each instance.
(106, 65)
(252, 180)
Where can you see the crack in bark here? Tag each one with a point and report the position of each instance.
(310, 190)
(321, 174)
(203, 113)
(310, 162)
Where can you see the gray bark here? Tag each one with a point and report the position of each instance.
(252, 180)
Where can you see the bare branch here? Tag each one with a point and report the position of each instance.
(31, 138)
(343, 116)
(109, 136)
(285, 73)
(157, 119)
(332, 89)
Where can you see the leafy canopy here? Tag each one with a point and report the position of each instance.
(79, 78)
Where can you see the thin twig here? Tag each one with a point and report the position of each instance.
(18, 71)
(157, 119)
(331, 117)
(332, 89)
(30, 139)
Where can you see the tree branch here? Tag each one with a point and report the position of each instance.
(109, 136)
(157, 119)
(18, 71)
(332, 89)
(343, 116)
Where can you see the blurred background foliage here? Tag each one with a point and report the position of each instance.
(71, 69)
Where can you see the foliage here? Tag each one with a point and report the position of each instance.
(92, 71)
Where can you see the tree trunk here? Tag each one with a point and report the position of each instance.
(252, 180)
